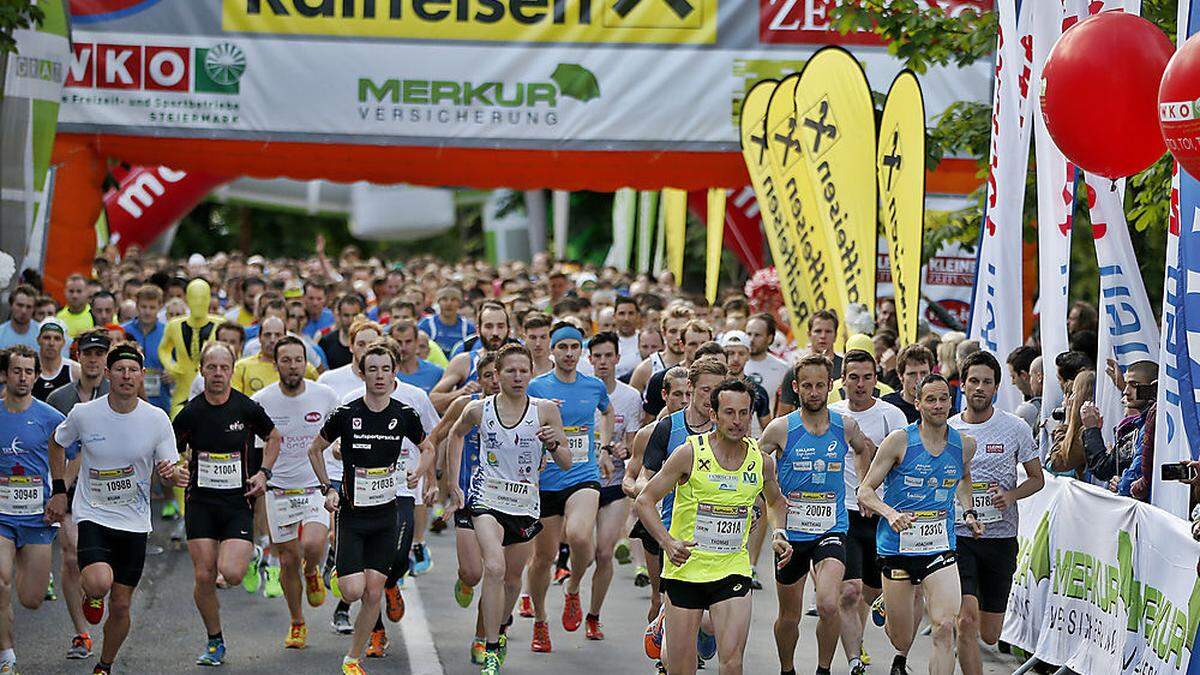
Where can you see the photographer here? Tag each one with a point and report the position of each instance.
(1121, 465)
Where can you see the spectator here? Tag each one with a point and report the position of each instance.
(1082, 316)
(1067, 456)
(1020, 363)
(1121, 465)
(21, 328)
(1085, 342)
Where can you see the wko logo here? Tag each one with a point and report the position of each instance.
(212, 70)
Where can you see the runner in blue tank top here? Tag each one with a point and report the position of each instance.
(811, 446)
(460, 376)
(923, 468)
(570, 498)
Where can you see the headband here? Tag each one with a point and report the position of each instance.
(122, 352)
(566, 333)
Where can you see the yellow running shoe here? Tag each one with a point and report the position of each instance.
(478, 649)
(297, 637)
(864, 656)
(333, 585)
(352, 667)
(314, 590)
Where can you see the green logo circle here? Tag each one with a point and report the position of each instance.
(225, 64)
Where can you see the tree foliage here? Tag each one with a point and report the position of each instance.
(15, 15)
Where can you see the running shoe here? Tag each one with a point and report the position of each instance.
(641, 577)
(898, 668)
(102, 669)
(253, 577)
(273, 589)
(420, 560)
(394, 602)
(561, 574)
(438, 523)
(812, 611)
(652, 640)
(178, 533)
(478, 649)
(213, 654)
(706, 645)
(297, 637)
(352, 667)
(341, 623)
(503, 652)
(572, 614)
(170, 510)
(463, 594)
(378, 644)
(314, 590)
(541, 637)
(662, 670)
(51, 595)
(878, 612)
(864, 656)
(592, 629)
(81, 647)
(327, 571)
(857, 667)
(8, 668)
(755, 584)
(93, 609)
(491, 664)
(622, 553)
(525, 607)
(333, 586)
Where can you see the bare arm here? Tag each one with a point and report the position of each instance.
(963, 490)
(674, 470)
(467, 420)
(633, 466)
(641, 376)
(774, 437)
(552, 434)
(316, 458)
(447, 389)
(864, 449)
(776, 511)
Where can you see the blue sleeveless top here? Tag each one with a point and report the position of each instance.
(810, 472)
(924, 485)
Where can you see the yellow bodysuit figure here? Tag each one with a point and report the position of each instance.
(183, 339)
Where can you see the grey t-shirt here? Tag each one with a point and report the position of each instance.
(67, 396)
(1001, 443)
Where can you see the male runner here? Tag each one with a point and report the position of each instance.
(716, 478)
(986, 565)
(627, 317)
(446, 326)
(215, 432)
(252, 373)
(55, 370)
(25, 537)
(614, 505)
(459, 377)
(122, 439)
(370, 517)
(923, 468)
(913, 363)
(298, 523)
(413, 369)
(671, 325)
(763, 367)
(537, 338)
(876, 418)
(696, 334)
(570, 498)
(811, 447)
(503, 495)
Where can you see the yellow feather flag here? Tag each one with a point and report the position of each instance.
(778, 221)
(836, 129)
(674, 204)
(714, 238)
(901, 175)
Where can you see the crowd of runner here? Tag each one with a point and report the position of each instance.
(309, 421)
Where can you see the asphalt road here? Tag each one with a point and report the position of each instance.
(433, 639)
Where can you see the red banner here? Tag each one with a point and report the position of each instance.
(149, 200)
(743, 226)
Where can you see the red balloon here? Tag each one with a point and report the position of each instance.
(1179, 107)
(1100, 93)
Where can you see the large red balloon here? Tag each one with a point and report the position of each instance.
(1179, 106)
(1100, 93)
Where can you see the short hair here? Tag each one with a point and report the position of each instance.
(913, 354)
(1070, 364)
(710, 348)
(1085, 341)
(512, 349)
(813, 359)
(104, 294)
(149, 292)
(626, 300)
(674, 314)
(673, 374)
(706, 365)
(1021, 358)
(247, 282)
(823, 315)
(23, 351)
(233, 326)
(535, 319)
(75, 276)
(931, 379)
(698, 326)
(980, 358)
(1145, 367)
(486, 359)
(1087, 313)
(26, 290)
(402, 326)
(377, 348)
(604, 337)
(857, 356)
(490, 304)
(290, 340)
(735, 386)
(767, 318)
(735, 303)
(350, 299)
(213, 345)
(316, 282)
(362, 324)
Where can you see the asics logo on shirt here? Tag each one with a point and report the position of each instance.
(392, 424)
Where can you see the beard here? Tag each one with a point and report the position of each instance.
(491, 342)
(291, 381)
(814, 407)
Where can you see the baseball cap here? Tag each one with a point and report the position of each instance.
(584, 278)
(94, 341)
(52, 323)
(735, 338)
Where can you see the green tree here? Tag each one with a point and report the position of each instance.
(15, 15)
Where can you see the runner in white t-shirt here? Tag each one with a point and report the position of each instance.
(296, 517)
(122, 439)
(628, 318)
(763, 368)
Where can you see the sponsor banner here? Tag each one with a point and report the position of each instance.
(1163, 597)
(900, 172)
(674, 208)
(809, 21)
(836, 131)
(946, 281)
(1031, 582)
(1128, 330)
(714, 234)
(473, 73)
(778, 218)
(996, 317)
(147, 201)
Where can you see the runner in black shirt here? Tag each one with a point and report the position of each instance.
(369, 516)
(216, 432)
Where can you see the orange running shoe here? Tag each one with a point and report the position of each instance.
(593, 628)
(314, 590)
(561, 574)
(93, 610)
(297, 636)
(378, 644)
(541, 637)
(395, 603)
(653, 637)
(572, 614)
(525, 607)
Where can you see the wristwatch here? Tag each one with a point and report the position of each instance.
(970, 512)
(324, 488)
(265, 472)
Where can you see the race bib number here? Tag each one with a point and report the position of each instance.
(290, 506)
(112, 487)
(509, 496)
(928, 533)
(720, 529)
(981, 501)
(153, 383)
(374, 487)
(21, 495)
(219, 470)
(812, 513)
(577, 443)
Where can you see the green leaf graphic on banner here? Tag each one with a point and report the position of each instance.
(575, 81)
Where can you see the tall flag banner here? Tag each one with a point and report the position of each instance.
(714, 236)
(624, 219)
(777, 219)
(674, 205)
(562, 221)
(996, 319)
(900, 171)
(647, 216)
(784, 138)
(1128, 330)
(837, 138)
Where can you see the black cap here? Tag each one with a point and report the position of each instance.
(94, 341)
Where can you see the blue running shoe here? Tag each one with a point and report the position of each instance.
(706, 645)
(420, 560)
(213, 654)
(878, 612)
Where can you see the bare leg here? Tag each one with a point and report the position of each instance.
(545, 551)
(827, 582)
(579, 531)
(116, 627)
(681, 628)
(69, 580)
(204, 565)
(943, 596)
(289, 577)
(787, 624)
(609, 522)
(733, 616)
